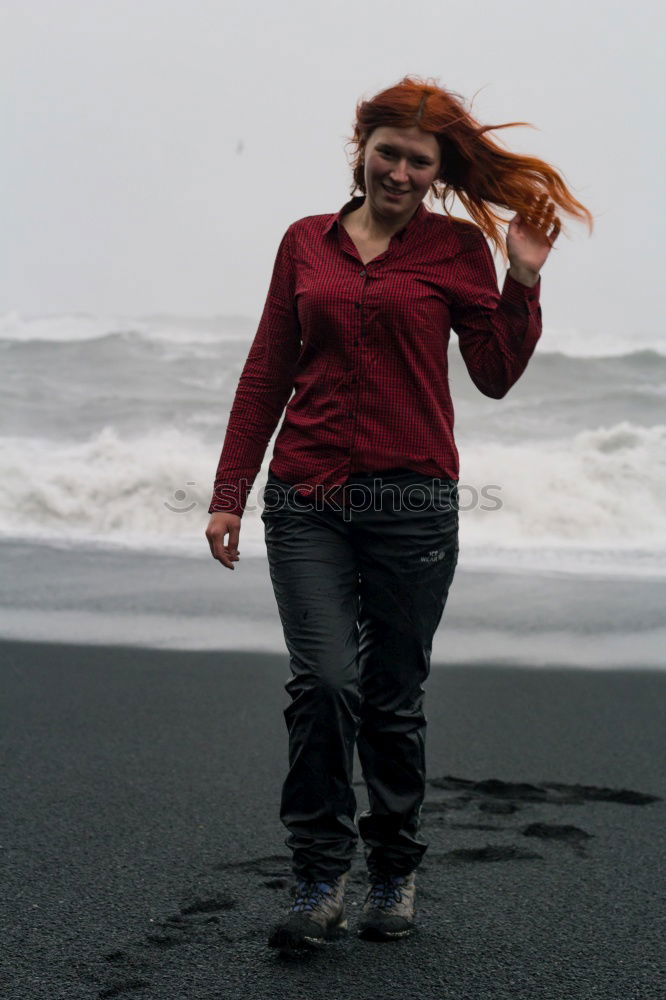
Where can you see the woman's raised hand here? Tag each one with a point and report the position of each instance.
(219, 526)
(530, 239)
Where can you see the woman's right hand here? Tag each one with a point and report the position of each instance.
(222, 524)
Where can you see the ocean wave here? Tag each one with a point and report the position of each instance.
(14, 326)
(601, 487)
(75, 327)
(574, 343)
(600, 491)
(634, 359)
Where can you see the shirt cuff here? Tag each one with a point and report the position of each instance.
(515, 291)
(217, 509)
(229, 497)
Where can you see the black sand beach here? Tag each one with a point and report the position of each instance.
(143, 856)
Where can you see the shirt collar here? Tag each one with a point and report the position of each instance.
(417, 218)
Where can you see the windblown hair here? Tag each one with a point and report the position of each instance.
(473, 167)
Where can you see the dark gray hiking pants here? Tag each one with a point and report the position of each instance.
(360, 586)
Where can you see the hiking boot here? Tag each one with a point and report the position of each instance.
(316, 915)
(388, 910)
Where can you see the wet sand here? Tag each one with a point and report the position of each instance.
(143, 856)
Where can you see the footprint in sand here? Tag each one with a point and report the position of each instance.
(573, 836)
(491, 852)
(270, 866)
(552, 792)
(504, 798)
(120, 989)
(194, 921)
(273, 869)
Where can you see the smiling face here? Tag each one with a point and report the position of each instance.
(400, 166)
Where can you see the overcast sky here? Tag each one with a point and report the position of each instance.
(154, 151)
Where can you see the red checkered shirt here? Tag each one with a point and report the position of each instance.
(363, 348)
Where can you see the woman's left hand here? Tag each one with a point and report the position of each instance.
(529, 241)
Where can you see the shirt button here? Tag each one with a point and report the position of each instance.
(362, 273)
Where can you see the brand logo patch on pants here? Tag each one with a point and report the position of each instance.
(433, 556)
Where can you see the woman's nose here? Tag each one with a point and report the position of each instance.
(399, 172)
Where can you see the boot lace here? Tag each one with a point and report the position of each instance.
(309, 895)
(386, 892)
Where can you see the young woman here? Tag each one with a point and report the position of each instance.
(360, 511)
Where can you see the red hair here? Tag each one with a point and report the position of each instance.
(473, 166)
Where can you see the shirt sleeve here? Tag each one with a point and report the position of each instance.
(263, 390)
(497, 332)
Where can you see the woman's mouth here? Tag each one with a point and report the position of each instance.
(393, 193)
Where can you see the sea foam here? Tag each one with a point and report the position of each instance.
(600, 492)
